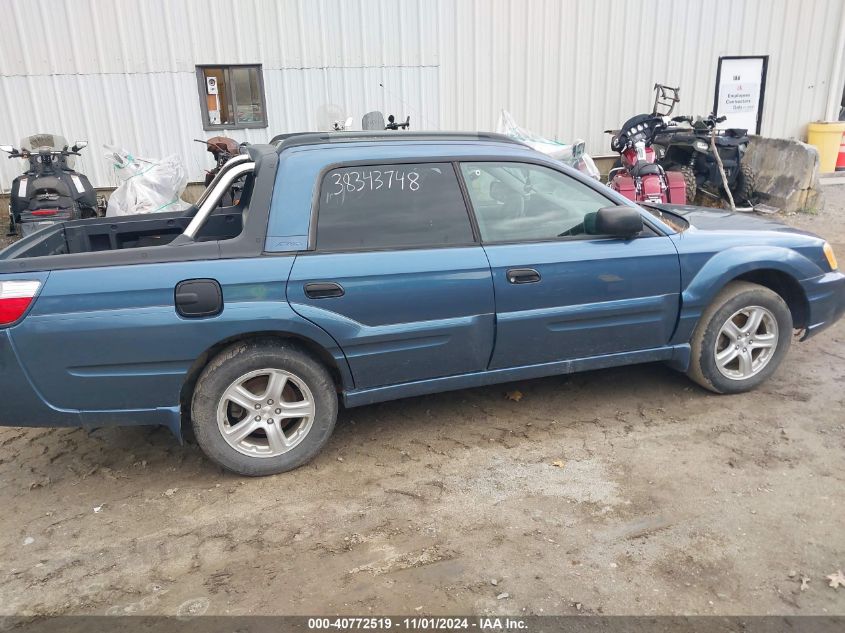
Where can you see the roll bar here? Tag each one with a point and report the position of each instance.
(235, 160)
(231, 171)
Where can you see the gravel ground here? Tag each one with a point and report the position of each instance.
(625, 491)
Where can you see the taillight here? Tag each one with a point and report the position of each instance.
(15, 297)
(45, 212)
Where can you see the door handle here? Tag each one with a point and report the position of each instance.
(323, 290)
(523, 276)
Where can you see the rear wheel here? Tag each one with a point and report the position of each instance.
(263, 407)
(740, 339)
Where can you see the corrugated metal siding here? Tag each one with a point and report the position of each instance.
(572, 69)
(566, 69)
(128, 77)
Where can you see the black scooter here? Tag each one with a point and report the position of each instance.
(50, 190)
(689, 150)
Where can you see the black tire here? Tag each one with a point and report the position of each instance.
(735, 297)
(743, 190)
(239, 360)
(690, 183)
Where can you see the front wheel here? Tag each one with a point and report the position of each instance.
(690, 183)
(741, 338)
(263, 407)
(743, 189)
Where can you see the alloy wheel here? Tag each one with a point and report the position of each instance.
(746, 343)
(266, 412)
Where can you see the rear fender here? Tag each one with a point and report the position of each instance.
(700, 287)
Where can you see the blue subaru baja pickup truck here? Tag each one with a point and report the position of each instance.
(361, 267)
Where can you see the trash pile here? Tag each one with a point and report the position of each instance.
(570, 154)
(147, 185)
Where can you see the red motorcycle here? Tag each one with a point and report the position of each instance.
(638, 177)
(222, 148)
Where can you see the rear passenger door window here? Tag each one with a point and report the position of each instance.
(391, 206)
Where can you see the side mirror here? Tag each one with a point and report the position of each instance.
(501, 192)
(7, 148)
(619, 221)
(78, 145)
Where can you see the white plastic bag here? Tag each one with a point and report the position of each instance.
(147, 186)
(571, 154)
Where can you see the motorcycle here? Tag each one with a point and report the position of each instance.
(50, 190)
(223, 148)
(688, 149)
(638, 176)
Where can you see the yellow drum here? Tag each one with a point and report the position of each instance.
(826, 137)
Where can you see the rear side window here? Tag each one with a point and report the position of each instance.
(391, 206)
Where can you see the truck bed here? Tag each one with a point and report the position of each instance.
(101, 235)
(147, 239)
(111, 234)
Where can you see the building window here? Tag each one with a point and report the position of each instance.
(231, 97)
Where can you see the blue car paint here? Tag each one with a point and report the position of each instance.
(116, 343)
(824, 295)
(710, 259)
(105, 345)
(405, 315)
(594, 297)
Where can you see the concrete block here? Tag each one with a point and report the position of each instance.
(786, 173)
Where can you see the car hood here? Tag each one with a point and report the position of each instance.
(709, 219)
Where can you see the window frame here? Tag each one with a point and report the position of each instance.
(230, 97)
(647, 225)
(316, 203)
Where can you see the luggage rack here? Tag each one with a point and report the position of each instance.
(284, 141)
(665, 97)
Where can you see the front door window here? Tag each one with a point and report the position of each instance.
(526, 202)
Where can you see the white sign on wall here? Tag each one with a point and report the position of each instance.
(740, 88)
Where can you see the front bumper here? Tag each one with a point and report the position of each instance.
(826, 300)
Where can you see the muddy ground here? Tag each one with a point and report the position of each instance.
(626, 491)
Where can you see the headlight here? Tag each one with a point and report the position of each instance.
(831, 258)
(701, 146)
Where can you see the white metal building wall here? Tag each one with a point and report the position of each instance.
(123, 72)
(574, 68)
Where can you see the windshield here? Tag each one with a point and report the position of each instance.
(53, 141)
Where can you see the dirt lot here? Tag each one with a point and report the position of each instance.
(627, 491)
